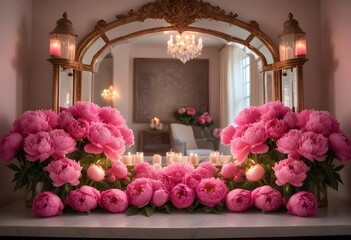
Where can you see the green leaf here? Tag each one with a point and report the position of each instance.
(149, 210)
(211, 210)
(133, 210)
(14, 167)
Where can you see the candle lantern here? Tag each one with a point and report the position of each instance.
(62, 53)
(292, 51)
(292, 42)
(63, 39)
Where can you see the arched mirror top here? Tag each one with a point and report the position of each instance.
(180, 15)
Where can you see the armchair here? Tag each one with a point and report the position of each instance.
(183, 140)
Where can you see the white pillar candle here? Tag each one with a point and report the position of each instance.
(194, 159)
(156, 159)
(169, 156)
(214, 157)
(177, 158)
(127, 159)
(138, 157)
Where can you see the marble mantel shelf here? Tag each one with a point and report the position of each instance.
(335, 220)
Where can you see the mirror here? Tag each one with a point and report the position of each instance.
(158, 17)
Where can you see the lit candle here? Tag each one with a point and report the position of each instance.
(127, 159)
(177, 158)
(138, 158)
(194, 159)
(55, 48)
(224, 159)
(157, 159)
(214, 157)
(300, 48)
(169, 156)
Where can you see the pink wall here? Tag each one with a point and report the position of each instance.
(336, 49)
(15, 19)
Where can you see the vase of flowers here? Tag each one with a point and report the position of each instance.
(78, 146)
(289, 151)
(185, 115)
(204, 121)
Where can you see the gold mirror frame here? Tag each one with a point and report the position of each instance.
(180, 15)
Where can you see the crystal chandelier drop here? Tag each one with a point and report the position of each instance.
(184, 48)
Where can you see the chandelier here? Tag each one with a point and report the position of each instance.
(109, 94)
(184, 48)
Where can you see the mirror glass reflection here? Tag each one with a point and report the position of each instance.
(235, 72)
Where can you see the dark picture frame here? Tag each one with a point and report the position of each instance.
(162, 85)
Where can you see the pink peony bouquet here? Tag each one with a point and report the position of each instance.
(289, 152)
(204, 121)
(80, 145)
(185, 115)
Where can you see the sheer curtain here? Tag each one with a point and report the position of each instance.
(233, 88)
(240, 86)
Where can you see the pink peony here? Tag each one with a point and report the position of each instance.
(252, 140)
(63, 143)
(127, 135)
(86, 110)
(255, 173)
(216, 132)
(248, 115)
(84, 199)
(192, 179)
(47, 204)
(290, 171)
(117, 171)
(289, 143)
(63, 171)
(266, 198)
(340, 144)
(38, 146)
(313, 146)
(274, 110)
(143, 169)
(303, 204)
(227, 134)
(139, 192)
(176, 171)
(31, 122)
(182, 196)
(211, 191)
(166, 180)
(206, 170)
(10, 145)
(290, 120)
(276, 128)
(96, 172)
(160, 197)
(238, 200)
(112, 116)
(64, 119)
(321, 122)
(228, 170)
(191, 111)
(78, 128)
(101, 140)
(114, 200)
(181, 110)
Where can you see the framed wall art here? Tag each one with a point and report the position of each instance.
(162, 85)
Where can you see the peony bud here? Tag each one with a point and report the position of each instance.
(96, 173)
(255, 173)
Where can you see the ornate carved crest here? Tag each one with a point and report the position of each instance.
(180, 13)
